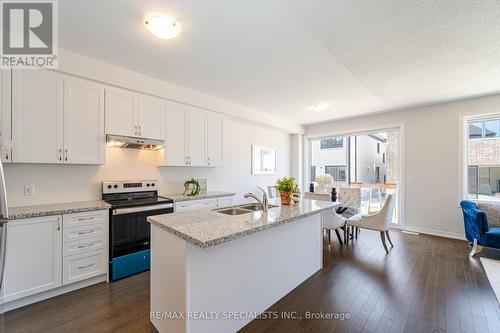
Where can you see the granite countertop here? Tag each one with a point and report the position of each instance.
(206, 228)
(23, 212)
(208, 195)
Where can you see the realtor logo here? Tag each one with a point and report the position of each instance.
(29, 34)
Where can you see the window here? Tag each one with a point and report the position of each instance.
(337, 172)
(337, 142)
(369, 159)
(313, 173)
(491, 128)
(484, 129)
(483, 164)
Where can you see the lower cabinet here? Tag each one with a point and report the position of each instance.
(45, 253)
(202, 203)
(33, 257)
(85, 245)
(83, 266)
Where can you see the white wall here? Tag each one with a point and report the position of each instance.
(432, 175)
(61, 183)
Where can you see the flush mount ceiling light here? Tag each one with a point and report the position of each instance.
(318, 107)
(162, 26)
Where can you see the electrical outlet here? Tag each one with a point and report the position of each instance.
(29, 190)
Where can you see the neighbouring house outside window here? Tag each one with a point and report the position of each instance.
(483, 159)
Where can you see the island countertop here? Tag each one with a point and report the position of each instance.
(206, 227)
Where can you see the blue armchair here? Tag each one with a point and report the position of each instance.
(477, 230)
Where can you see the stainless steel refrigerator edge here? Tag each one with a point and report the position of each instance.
(3, 222)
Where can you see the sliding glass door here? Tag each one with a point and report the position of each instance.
(369, 160)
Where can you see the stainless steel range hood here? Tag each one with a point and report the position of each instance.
(131, 142)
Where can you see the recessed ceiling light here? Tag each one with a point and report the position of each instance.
(162, 26)
(318, 107)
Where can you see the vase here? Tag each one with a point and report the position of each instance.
(322, 187)
(285, 198)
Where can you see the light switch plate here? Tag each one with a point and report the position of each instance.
(29, 190)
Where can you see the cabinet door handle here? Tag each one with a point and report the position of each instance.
(85, 218)
(60, 154)
(7, 156)
(208, 160)
(140, 130)
(86, 266)
(86, 232)
(135, 130)
(58, 225)
(85, 245)
(66, 154)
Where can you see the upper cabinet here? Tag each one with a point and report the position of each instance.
(5, 116)
(151, 118)
(135, 115)
(121, 112)
(83, 122)
(56, 119)
(175, 151)
(215, 139)
(37, 117)
(194, 137)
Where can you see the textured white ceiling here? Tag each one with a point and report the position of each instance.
(282, 56)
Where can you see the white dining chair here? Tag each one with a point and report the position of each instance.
(333, 221)
(380, 221)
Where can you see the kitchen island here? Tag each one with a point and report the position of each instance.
(212, 272)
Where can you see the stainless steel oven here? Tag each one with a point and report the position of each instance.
(129, 232)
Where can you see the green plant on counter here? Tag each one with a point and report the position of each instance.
(286, 185)
(191, 187)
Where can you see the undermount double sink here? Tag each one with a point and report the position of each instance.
(242, 209)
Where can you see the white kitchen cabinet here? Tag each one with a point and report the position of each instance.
(196, 137)
(215, 139)
(175, 152)
(202, 203)
(33, 256)
(84, 141)
(194, 204)
(135, 115)
(121, 112)
(5, 116)
(37, 116)
(151, 118)
(56, 119)
(84, 265)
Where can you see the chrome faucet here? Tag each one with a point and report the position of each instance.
(264, 203)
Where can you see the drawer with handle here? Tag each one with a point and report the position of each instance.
(83, 266)
(84, 232)
(84, 245)
(86, 218)
(194, 204)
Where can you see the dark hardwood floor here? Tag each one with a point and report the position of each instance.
(424, 284)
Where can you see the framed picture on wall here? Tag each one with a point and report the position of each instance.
(263, 160)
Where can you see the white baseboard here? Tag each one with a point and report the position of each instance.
(18, 303)
(431, 232)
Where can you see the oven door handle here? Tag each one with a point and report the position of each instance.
(121, 211)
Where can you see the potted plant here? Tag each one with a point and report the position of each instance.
(285, 186)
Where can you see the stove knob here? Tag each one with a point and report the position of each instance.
(152, 184)
(115, 186)
(109, 186)
(147, 185)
